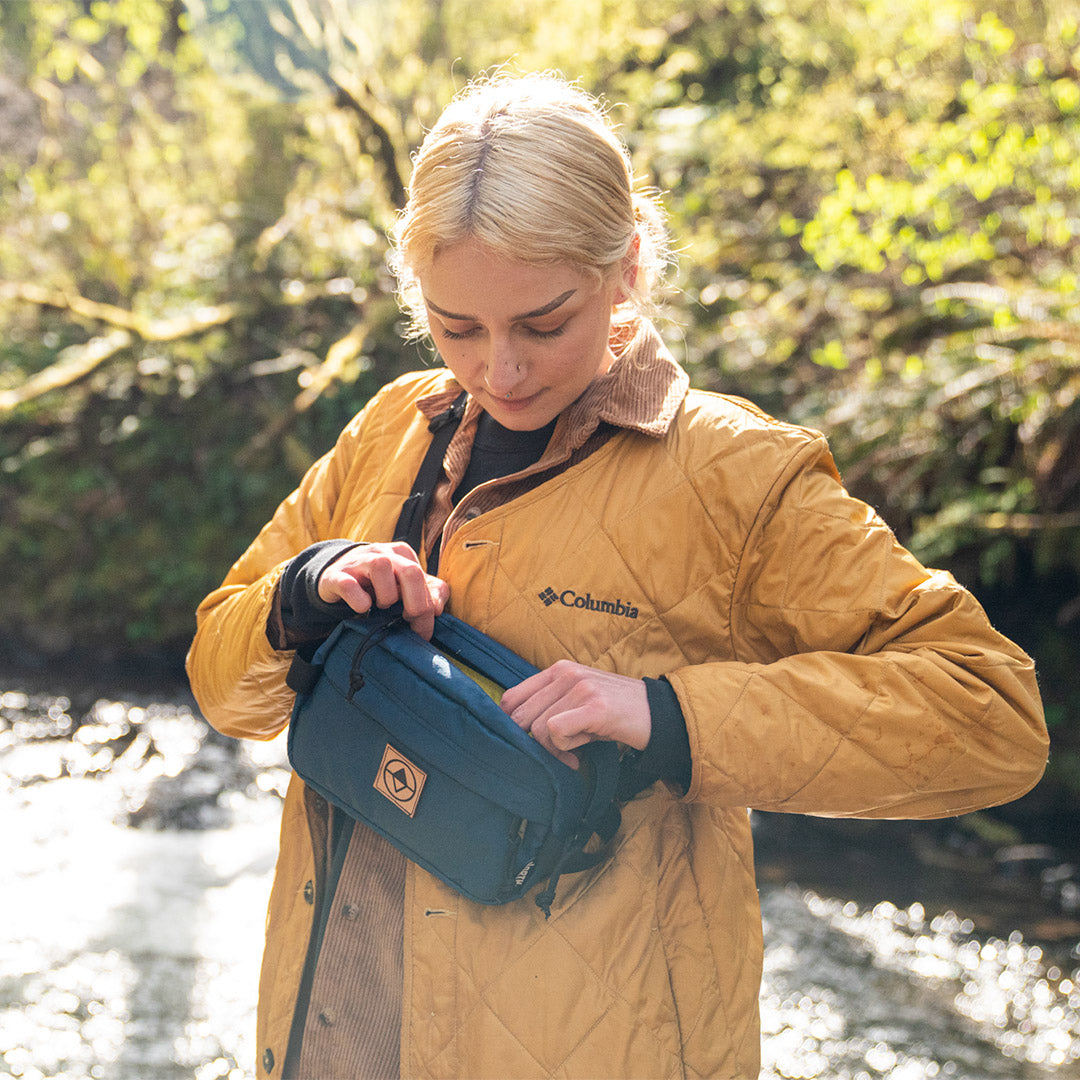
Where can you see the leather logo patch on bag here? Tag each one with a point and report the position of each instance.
(400, 780)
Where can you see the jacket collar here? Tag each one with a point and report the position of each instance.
(642, 391)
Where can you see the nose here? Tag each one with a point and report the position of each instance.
(502, 372)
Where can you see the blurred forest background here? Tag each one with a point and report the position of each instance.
(876, 205)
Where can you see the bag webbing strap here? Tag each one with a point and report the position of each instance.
(410, 523)
(302, 674)
(602, 817)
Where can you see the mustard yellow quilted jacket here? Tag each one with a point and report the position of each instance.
(821, 669)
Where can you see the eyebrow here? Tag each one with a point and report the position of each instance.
(546, 309)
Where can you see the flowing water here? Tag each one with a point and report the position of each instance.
(138, 847)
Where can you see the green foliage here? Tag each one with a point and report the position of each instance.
(876, 205)
(882, 240)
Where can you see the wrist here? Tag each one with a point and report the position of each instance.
(304, 614)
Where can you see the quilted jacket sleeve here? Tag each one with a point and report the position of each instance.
(237, 677)
(864, 684)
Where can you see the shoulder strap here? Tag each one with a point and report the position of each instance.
(410, 524)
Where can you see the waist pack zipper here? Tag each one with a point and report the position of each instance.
(356, 676)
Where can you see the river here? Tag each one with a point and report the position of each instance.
(138, 846)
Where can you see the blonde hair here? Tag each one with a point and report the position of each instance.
(531, 168)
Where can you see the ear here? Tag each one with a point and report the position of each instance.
(628, 270)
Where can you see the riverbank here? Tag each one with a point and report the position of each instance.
(1002, 880)
(141, 845)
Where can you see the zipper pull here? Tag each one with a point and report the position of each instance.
(356, 676)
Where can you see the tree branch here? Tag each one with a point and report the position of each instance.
(75, 362)
(388, 153)
(195, 322)
(78, 361)
(1039, 329)
(1026, 524)
(338, 356)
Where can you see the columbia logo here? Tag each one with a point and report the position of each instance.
(570, 598)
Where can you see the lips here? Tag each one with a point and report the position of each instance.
(515, 404)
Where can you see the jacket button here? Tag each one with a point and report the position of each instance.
(326, 1018)
(350, 911)
(473, 513)
(268, 1060)
(309, 891)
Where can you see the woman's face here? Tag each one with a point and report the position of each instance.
(524, 340)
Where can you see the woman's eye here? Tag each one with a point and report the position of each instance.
(455, 335)
(533, 332)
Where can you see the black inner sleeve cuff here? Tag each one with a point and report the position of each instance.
(304, 616)
(667, 756)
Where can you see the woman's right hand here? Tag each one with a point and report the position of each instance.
(379, 575)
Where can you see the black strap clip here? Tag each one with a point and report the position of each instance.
(452, 415)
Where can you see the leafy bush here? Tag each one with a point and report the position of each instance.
(875, 205)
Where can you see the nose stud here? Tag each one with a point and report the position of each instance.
(509, 394)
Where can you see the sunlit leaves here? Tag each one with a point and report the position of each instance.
(966, 197)
(875, 205)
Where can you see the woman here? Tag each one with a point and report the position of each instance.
(692, 580)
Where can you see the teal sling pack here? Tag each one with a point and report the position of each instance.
(392, 730)
(406, 736)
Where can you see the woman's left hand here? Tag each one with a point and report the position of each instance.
(569, 704)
